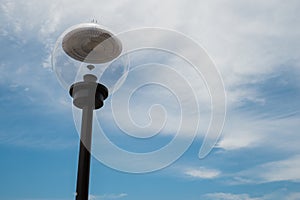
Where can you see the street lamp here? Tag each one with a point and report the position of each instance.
(84, 52)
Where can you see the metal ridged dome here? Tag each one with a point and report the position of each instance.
(91, 45)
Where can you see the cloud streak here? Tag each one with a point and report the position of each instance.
(280, 170)
(202, 173)
(107, 196)
(277, 195)
(229, 196)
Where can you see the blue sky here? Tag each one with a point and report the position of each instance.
(255, 46)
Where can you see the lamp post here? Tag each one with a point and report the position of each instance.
(93, 48)
(87, 95)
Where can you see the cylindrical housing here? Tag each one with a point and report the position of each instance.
(88, 93)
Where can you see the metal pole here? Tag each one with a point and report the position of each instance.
(88, 96)
(83, 175)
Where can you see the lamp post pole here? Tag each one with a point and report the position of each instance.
(87, 95)
(83, 174)
(89, 44)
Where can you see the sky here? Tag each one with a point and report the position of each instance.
(255, 47)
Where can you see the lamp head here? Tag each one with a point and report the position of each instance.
(88, 49)
(90, 43)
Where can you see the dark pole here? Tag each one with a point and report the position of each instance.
(87, 95)
(83, 174)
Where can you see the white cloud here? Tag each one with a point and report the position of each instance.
(276, 195)
(44, 198)
(243, 130)
(293, 196)
(36, 141)
(229, 196)
(281, 170)
(202, 173)
(107, 196)
(248, 40)
(245, 48)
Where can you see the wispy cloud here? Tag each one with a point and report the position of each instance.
(277, 195)
(229, 196)
(49, 141)
(202, 173)
(281, 170)
(107, 196)
(42, 198)
(247, 50)
(262, 43)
